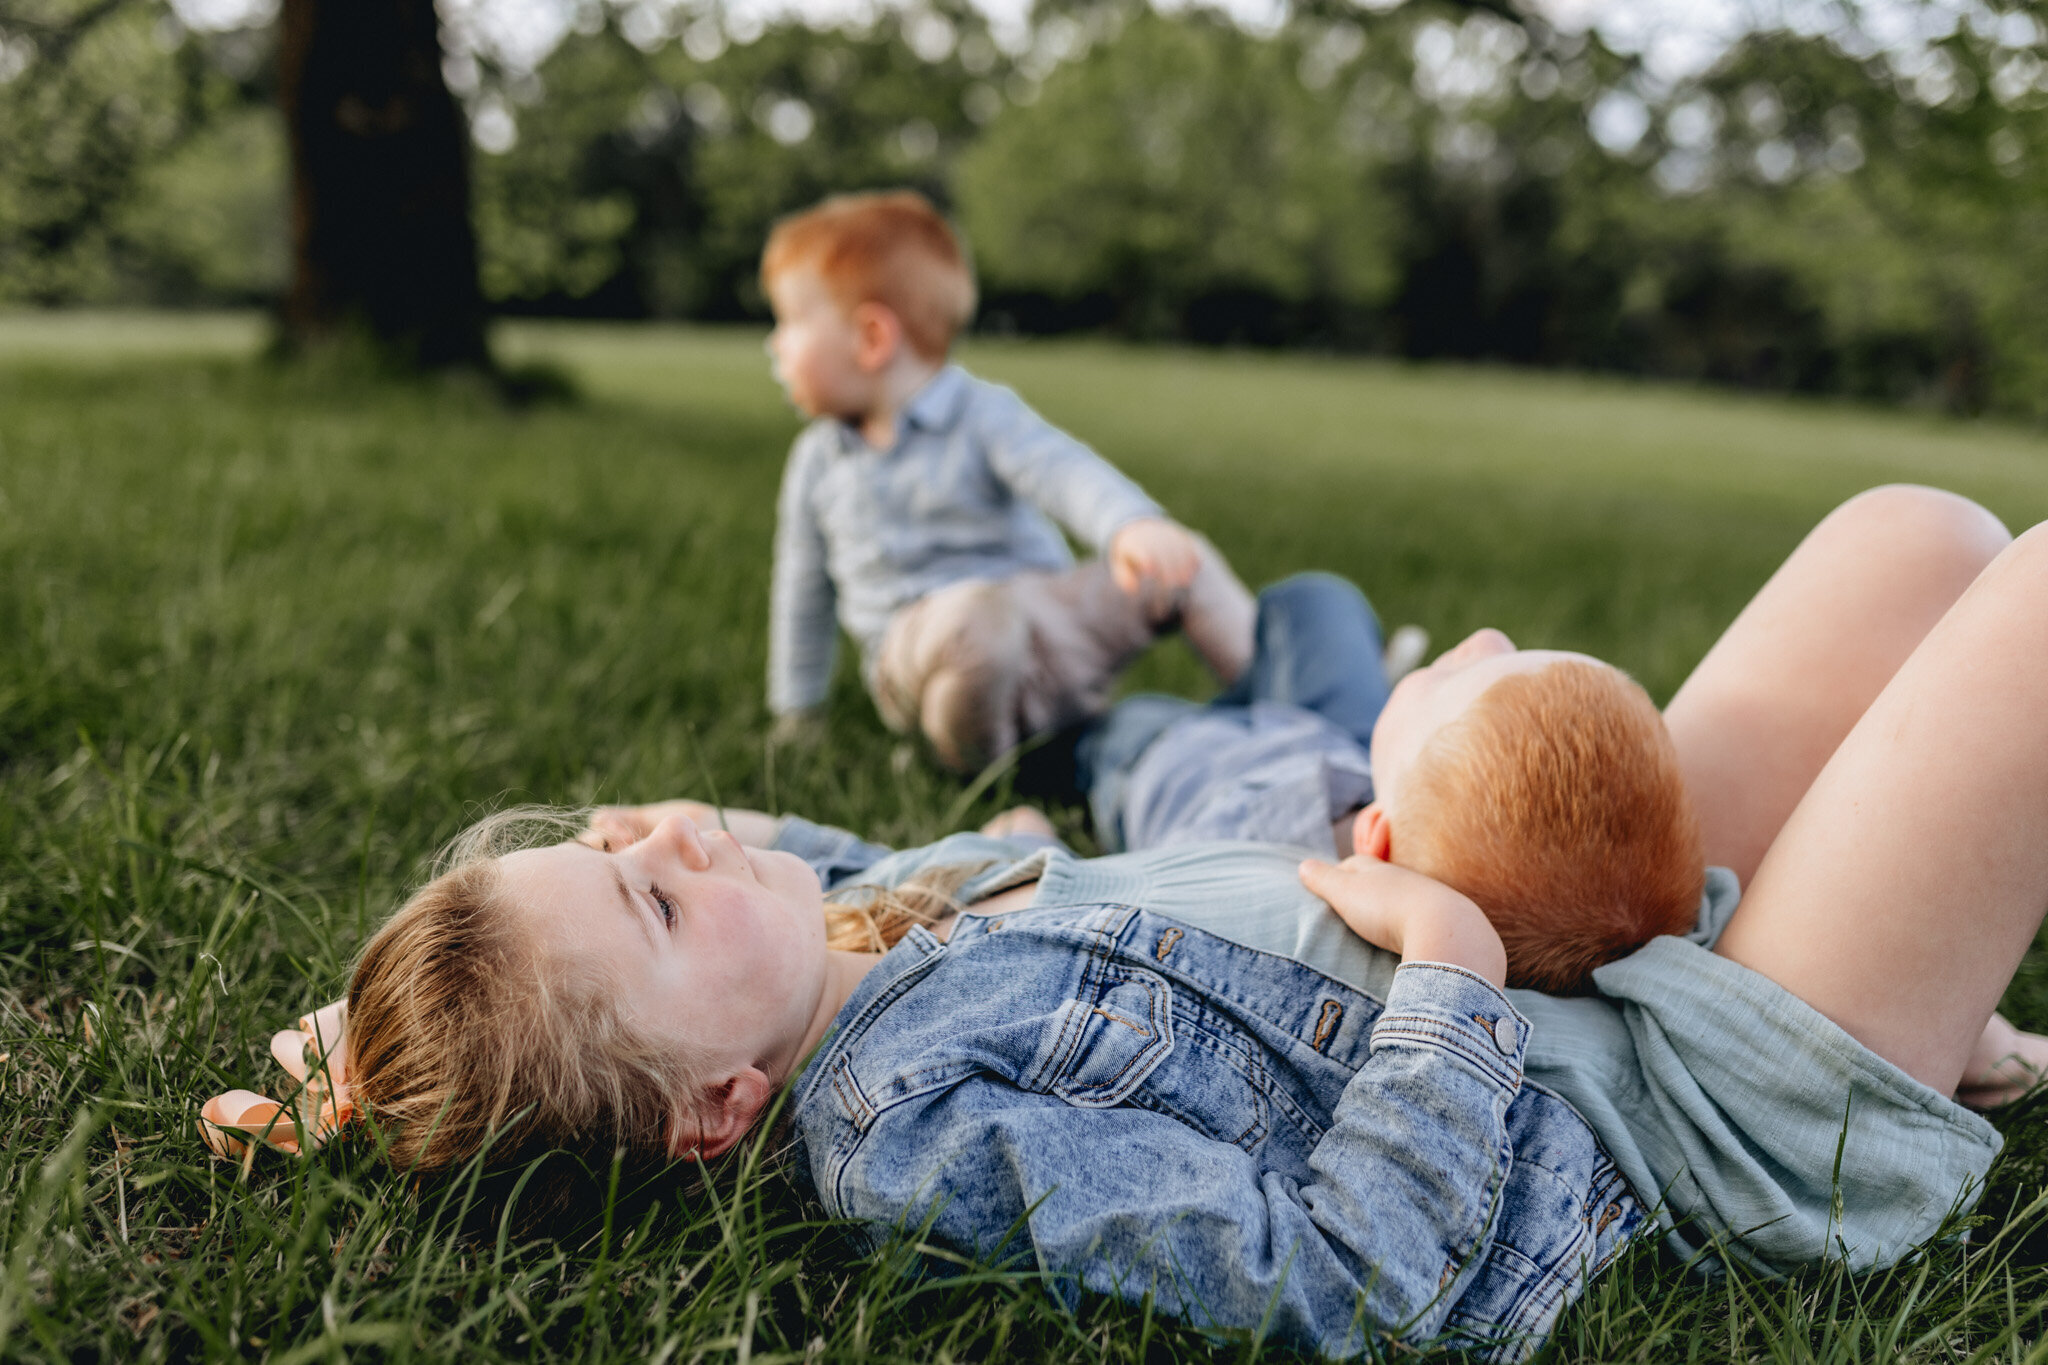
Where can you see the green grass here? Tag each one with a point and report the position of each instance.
(264, 644)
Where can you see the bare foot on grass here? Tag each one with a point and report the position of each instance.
(2005, 1065)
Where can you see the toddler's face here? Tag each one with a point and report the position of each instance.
(815, 348)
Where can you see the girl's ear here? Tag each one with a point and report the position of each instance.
(877, 335)
(723, 1117)
(1372, 835)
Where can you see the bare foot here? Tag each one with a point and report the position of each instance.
(1030, 821)
(2005, 1065)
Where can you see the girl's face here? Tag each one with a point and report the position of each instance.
(1428, 699)
(714, 947)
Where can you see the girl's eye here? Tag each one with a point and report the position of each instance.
(665, 905)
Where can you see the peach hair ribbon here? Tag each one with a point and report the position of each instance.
(316, 1055)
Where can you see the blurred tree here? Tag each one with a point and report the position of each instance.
(1184, 172)
(130, 165)
(381, 237)
(648, 178)
(1853, 206)
(91, 100)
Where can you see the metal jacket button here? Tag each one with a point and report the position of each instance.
(1505, 1035)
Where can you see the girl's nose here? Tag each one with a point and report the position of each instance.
(681, 833)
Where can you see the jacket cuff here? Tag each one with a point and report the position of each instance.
(1437, 1005)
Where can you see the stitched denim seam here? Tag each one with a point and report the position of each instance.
(1132, 941)
(1543, 1297)
(1250, 1138)
(1248, 1064)
(1444, 1037)
(1235, 1045)
(843, 1045)
(1151, 1052)
(1467, 1244)
(1221, 989)
(1265, 1031)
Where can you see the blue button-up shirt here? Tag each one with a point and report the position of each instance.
(971, 489)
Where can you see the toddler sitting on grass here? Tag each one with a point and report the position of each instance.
(920, 508)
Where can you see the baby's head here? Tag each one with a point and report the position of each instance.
(860, 282)
(1544, 786)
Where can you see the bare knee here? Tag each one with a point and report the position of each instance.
(2023, 566)
(1935, 531)
(967, 697)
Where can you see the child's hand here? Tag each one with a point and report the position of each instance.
(1021, 822)
(616, 827)
(1407, 913)
(1155, 550)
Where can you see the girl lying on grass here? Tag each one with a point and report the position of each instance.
(1080, 1064)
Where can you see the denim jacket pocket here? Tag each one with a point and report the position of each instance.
(1102, 1045)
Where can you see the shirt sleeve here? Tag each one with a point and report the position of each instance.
(1056, 473)
(1128, 1201)
(803, 636)
(836, 855)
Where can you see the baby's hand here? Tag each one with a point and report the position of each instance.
(615, 827)
(1027, 822)
(1153, 549)
(1407, 913)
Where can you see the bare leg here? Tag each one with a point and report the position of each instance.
(950, 665)
(1901, 893)
(1781, 688)
(1218, 616)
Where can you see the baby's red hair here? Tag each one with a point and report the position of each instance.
(890, 248)
(1556, 803)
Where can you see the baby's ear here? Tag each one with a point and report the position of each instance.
(1372, 834)
(878, 334)
(724, 1114)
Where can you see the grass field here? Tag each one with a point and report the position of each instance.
(265, 642)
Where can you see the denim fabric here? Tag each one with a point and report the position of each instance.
(1277, 758)
(843, 861)
(966, 492)
(1721, 1097)
(1135, 1106)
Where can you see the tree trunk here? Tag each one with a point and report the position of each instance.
(381, 237)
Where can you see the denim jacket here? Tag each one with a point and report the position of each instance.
(1139, 1106)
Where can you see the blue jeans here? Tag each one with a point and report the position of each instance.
(1316, 648)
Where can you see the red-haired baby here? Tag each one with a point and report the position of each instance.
(922, 508)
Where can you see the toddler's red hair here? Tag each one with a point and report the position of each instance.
(1557, 804)
(890, 248)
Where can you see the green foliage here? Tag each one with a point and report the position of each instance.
(209, 217)
(270, 640)
(1180, 158)
(129, 165)
(1855, 204)
(676, 165)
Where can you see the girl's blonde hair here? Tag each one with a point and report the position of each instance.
(464, 1040)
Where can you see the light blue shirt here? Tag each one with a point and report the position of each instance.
(1266, 772)
(971, 489)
